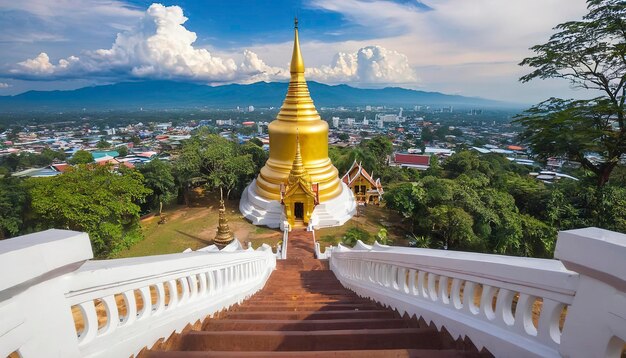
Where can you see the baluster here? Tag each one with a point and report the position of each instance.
(90, 321)
(443, 290)
(202, 284)
(455, 295)
(370, 271)
(486, 302)
(131, 308)
(421, 287)
(468, 298)
(385, 273)
(185, 290)
(193, 286)
(401, 279)
(211, 282)
(413, 289)
(221, 278)
(395, 283)
(173, 291)
(504, 315)
(113, 317)
(146, 300)
(432, 286)
(160, 303)
(549, 331)
(524, 315)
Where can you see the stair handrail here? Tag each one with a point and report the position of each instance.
(283, 249)
(584, 293)
(161, 294)
(318, 251)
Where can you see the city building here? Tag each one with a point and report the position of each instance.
(415, 161)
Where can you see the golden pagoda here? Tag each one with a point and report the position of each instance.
(297, 133)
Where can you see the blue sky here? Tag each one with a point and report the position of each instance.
(468, 47)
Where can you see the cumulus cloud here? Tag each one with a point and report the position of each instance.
(369, 65)
(160, 46)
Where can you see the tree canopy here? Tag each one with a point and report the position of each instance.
(590, 54)
(92, 199)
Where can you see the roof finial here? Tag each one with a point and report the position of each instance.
(295, 22)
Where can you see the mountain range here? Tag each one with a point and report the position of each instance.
(180, 95)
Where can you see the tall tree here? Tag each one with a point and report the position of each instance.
(92, 199)
(158, 177)
(13, 199)
(590, 54)
(81, 157)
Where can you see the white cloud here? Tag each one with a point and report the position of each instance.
(4, 85)
(368, 66)
(160, 46)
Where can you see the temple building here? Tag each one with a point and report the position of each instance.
(366, 190)
(298, 184)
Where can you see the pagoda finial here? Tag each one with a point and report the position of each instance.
(297, 169)
(297, 63)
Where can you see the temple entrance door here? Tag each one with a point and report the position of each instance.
(298, 210)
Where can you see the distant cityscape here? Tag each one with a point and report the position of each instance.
(418, 133)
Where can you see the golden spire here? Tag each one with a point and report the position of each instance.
(297, 169)
(297, 63)
(224, 236)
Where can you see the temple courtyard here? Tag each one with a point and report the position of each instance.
(195, 226)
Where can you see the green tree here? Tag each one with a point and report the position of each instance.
(343, 137)
(159, 179)
(103, 144)
(122, 150)
(92, 199)
(590, 54)
(13, 199)
(81, 157)
(256, 141)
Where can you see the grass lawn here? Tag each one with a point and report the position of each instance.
(195, 227)
(371, 218)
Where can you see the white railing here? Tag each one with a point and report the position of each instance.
(283, 247)
(318, 252)
(49, 288)
(514, 307)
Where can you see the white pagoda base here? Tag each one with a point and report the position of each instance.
(270, 213)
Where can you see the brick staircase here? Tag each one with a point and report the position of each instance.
(303, 311)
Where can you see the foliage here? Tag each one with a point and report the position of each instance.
(216, 162)
(590, 54)
(103, 144)
(13, 199)
(92, 199)
(159, 179)
(122, 150)
(355, 234)
(469, 207)
(382, 237)
(14, 162)
(81, 157)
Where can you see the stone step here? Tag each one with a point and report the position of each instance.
(381, 353)
(307, 307)
(405, 338)
(313, 325)
(311, 315)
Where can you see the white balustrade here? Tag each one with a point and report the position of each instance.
(515, 307)
(318, 252)
(48, 281)
(282, 254)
